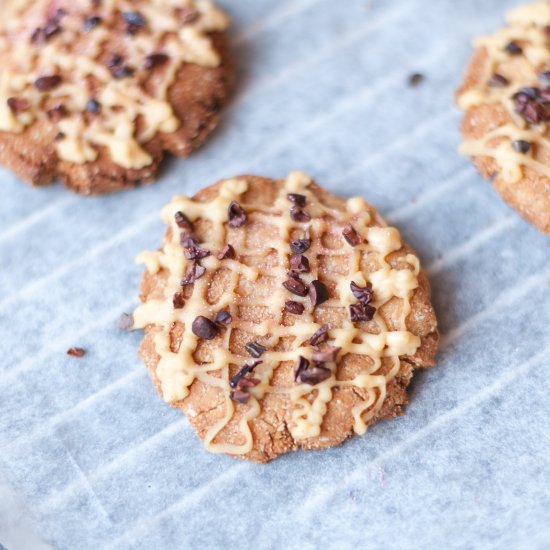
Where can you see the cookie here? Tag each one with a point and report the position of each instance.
(94, 92)
(280, 317)
(506, 100)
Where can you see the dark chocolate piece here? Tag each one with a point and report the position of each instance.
(350, 234)
(194, 272)
(237, 216)
(319, 336)
(223, 318)
(47, 83)
(360, 312)
(204, 328)
(255, 350)
(294, 307)
(318, 293)
(76, 352)
(295, 285)
(363, 294)
(299, 263)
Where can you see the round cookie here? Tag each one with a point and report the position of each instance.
(279, 317)
(506, 100)
(95, 91)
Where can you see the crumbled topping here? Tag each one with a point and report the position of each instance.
(237, 216)
(255, 350)
(350, 234)
(195, 252)
(521, 146)
(76, 352)
(319, 336)
(57, 112)
(297, 199)
(361, 312)
(204, 328)
(248, 368)
(513, 48)
(294, 307)
(318, 293)
(363, 294)
(182, 221)
(194, 272)
(226, 253)
(415, 79)
(92, 22)
(533, 104)
(93, 106)
(134, 21)
(299, 246)
(498, 81)
(47, 83)
(299, 215)
(304, 374)
(155, 60)
(17, 104)
(295, 285)
(299, 264)
(178, 300)
(223, 318)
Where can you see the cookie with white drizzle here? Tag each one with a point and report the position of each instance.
(506, 100)
(94, 92)
(280, 317)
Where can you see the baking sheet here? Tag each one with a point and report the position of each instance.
(90, 457)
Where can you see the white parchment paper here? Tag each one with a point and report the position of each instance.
(91, 458)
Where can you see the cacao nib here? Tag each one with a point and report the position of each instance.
(194, 272)
(350, 234)
(223, 318)
(249, 367)
(298, 200)
(299, 263)
(237, 216)
(361, 312)
(318, 293)
(178, 300)
(47, 83)
(320, 336)
(226, 253)
(299, 215)
(299, 246)
(204, 328)
(363, 294)
(295, 285)
(294, 307)
(255, 350)
(76, 352)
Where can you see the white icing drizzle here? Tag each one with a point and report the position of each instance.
(527, 27)
(383, 347)
(131, 112)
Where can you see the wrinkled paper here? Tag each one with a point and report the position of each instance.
(90, 457)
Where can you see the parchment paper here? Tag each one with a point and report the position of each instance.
(90, 457)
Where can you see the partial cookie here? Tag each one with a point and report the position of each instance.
(94, 92)
(281, 317)
(506, 99)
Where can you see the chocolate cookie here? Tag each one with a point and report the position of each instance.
(280, 317)
(506, 99)
(94, 92)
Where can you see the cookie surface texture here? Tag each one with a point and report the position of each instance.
(281, 317)
(95, 92)
(506, 100)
